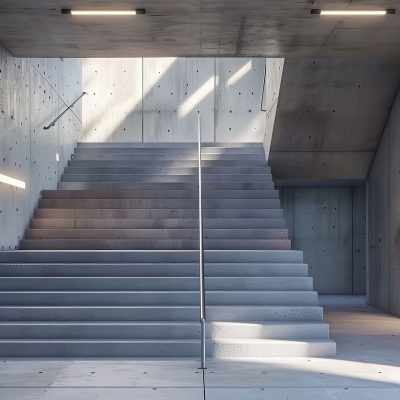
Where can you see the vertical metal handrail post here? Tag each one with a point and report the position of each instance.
(201, 258)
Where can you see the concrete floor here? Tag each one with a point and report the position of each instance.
(367, 366)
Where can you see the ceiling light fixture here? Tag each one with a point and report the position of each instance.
(103, 12)
(353, 13)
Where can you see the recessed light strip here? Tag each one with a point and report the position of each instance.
(101, 13)
(12, 181)
(353, 13)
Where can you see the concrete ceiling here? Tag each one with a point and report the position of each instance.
(273, 28)
(330, 116)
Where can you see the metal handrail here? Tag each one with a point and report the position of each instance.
(201, 259)
(52, 123)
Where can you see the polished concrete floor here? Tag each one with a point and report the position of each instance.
(367, 366)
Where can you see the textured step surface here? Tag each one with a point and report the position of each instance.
(156, 223)
(159, 194)
(153, 244)
(154, 297)
(158, 203)
(167, 348)
(154, 283)
(157, 312)
(153, 269)
(161, 329)
(223, 185)
(139, 256)
(172, 213)
(246, 233)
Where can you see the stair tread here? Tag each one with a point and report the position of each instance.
(293, 341)
(162, 306)
(161, 322)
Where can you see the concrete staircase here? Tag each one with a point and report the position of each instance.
(109, 266)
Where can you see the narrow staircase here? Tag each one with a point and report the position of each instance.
(109, 265)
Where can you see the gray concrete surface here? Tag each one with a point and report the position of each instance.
(366, 367)
(211, 27)
(384, 219)
(33, 92)
(328, 224)
(330, 116)
(259, 303)
(273, 78)
(157, 99)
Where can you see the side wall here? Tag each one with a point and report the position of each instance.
(157, 99)
(328, 224)
(32, 93)
(383, 188)
(273, 77)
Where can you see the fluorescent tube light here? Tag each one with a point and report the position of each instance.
(103, 12)
(12, 181)
(353, 13)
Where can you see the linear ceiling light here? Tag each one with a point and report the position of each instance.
(353, 13)
(12, 181)
(103, 12)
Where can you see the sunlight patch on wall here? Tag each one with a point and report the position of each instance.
(239, 74)
(12, 181)
(197, 97)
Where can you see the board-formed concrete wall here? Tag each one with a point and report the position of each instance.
(32, 93)
(157, 99)
(328, 224)
(383, 202)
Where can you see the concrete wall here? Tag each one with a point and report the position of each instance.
(328, 224)
(157, 99)
(274, 70)
(32, 93)
(383, 188)
(330, 117)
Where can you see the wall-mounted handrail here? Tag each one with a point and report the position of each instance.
(201, 258)
(52, 123)
(263, 87)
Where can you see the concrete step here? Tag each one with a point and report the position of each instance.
(269, 330)
(153, 244)
(167, 348)
(175, 156)
(111, 186)
(161, 313)
(159, 194)
(167, 178)
(154, 269)
(221, 348)
(178, 151)
(158, 203)
(153, 297)
(173, 170)
(144, 256)
(156, 234)
(172, 213)
(161, 330)
(100, 348)
(107, 283)
(150, 163)
(156, 223)
(168, 145)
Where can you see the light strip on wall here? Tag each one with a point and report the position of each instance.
(353, 13)
(103, 12)
(12, 181)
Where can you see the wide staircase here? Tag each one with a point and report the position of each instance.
(110, 263)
